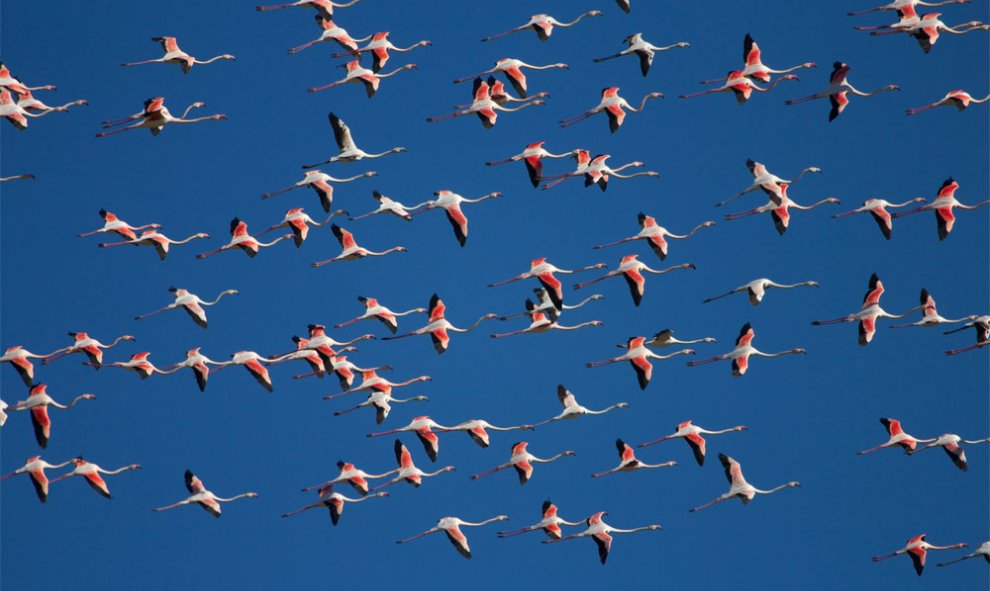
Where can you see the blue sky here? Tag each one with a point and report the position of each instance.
(807, 415)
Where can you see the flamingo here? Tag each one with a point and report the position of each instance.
(323, 344)
(253, 363)
(632, 271)
(35, 468)
(757, 288)
(20, 359)
(878, 209)
(513, 70)
(639, 357)
(739, 488)
(907, 18)
(982, 326)
(451, 202)
(347, 149)
(197, 362)
(370, 380)
(573, 410)
(960, 99)
(439, 327)
(532, 156)
(304, 353)
(477, 430)
(350, 251)
(544, 272)
(929, 27)
(754, 66)
(174, 55)
(596, 172)
(484, 106)
(155, 117)
(241, 239)
(550, 524)
(352, 475)
(407, 469)
(642, 49)
(897, 437)
(38, 402)
(666, 338)
(601, 533)
(931, 316)
(779, 207)
(541, 322)
(324, 7)
(692, 434)
(942, 205)
(901, 4)
(500, 96)
(452, 527)
(868, 313)
(743, 351)
(743, 87)
(357, 73)
(111, 223)
(84, 344)
(204, 498)
(139, 364)
(655, 235)
(543, 24)
(983, 550)
(379, 46)
(298, 222)
(17, 177)
(917, 548)
(388, 205)
(189, 302)
(766, 180)
(612, 105)
(333, 501)
(522, 461)
(374, 310)
(91, 472)
(382, 401)
(8, 81)
(950, 443)
(837, 91)
(27, 102)
(544, 305)
(15, 113)
(331, 32)
(628, 461)
(159, 241)
(321, 183)
(423, 428)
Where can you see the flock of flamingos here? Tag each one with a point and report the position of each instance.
(322, 354)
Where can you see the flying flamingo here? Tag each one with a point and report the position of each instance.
(513, 70)
(573, 410)
(304, 353)
(84, 344)
(35, 468)
(324, 7)
(298, 222)
(532, 156)
(155, 117)
(17, 177)
(438, 327)
(15, 113)
(323, 344)
(331, 32)
(743, 87)
(347, 149)
(545, 305)
(655, 235)
(20, 359)
(8, 81)
(189, 302)
(930, 313)
(960, 99)
(766, 180)
(642, 49)
(91, 472)
(950, 443)
(982, 326)
(917, 548)
(543, 24)
(522, 461)
(3, 414)
(897, 437)
(423, 428)
(628, 461)
(253, 363)
(382, 401)
(373, 309)
(451, 202)
(358, 73)
(345, 370)
(983, 550)
(370, 380)
(692, 434)
(743, 351)
(139, 364)
(878, 209)
(543, 322)
(484, 106)
(757, 288)
(597, 172)
(907, 18)
(352, 475)
(601, 533)
(666, 338)
(241, 239)
(612, 105)
(754, 66)
(27, 102)
(779, 207)
(197, 362)
(632, 271)
(544, 272)
(174, 55)
(452, 527)
(333, 501)
(550, 524)
(942, 205)
(901, 4)
(387, 205)
(501, 96)
(639, 357)
(929, 27)
(204, 498)
(159, 241)
(837, 91)
(111, 223)
(739, 488)
(350, 249)
(477, 430)
(379, 46)
(38, 402)
(322, 184)
(868, 313)
(407, 469)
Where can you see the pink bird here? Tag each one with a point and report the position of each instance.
(982, 326)
(930, 315)
(27, 102)
(322, 185)
(692, 434)
(352, 475)
(303, 353)
(91, 472)
(241, 239)
(140, 365)
(115, 225)
(756, 289)
(522, 461)
(477, 430)
(612, 105)
(532, 156)
(35, 468)
(38, 402)
(175, 55)
(642, 49)
(324, 7)
(950, 443)
(907, 18)
(323, 344)
(917, 548)
(902, 4)
(739, 488)
(639, 357)
(204, 498)
(253, 363)
(407, 469)
(572, 409)
(423, 428)
(513, 70)
(766, 180)
(15, 113)
(543, 24)
(868, 313)
(191, 303)
(452, 527)
(382, 401)
(298, 222)
(543, 271)
(439, 328)
(942, 205)
(655, 235)
(628, 461)
(350, 251)
(20, 359)
(837, 91)
(897, 437)
(779, 207)
(370, 380)
(161, 243)
(631, 269)
(197, 362)
(754, 67)
(484, 106)
(390, 206)
(878, 209)
(379, 46)
(743, 351)
(333, 501)
(155, 117)
(550, 524)
(374, 310)
(331, 32)
(928, 29)
(8, 81)
(960, 99)
(450, 202)
(740, 85)
(602, 533)
(541, 322)
(358, 73)
(597, 172)
(82, 343)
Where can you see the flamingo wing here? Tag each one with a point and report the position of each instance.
(459, 540)
(42, 425)
(40, 482)
(96, 481)
(196, 312)
(883, 219)
(637, 285)
(697, 443)
(644, 370)
(604, 543)
(459, 222)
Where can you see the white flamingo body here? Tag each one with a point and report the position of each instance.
(38, 402)
(92, 473)
(550, 524)
(379, 47)
(155, 117)
(356, 73)
(943, 205)
(757, 288)
(612, 105)
(692, 434)
(602, 533)
(951, 443)
(960, 99)
(642, 49)
(631, 269)
(191, 303)
(877, 208)
(739, 488)
(628, 461)
(83, 343)
(452, 527)
(334, 502)
(543, 25)
(522, 461)
(639, 357)
(115, 225)
(869, 313)
(838, 90)
(765, 180)
(199, 495)
(175, 55)
(347, 149)
(917, 549)
(478, 429)
(532, 156)
(572, 409)
(390, 206)
(160, 242)
(322, 184)
(35, 468)
(982, 550)
(407, 469)
(352, 475)
(744, 350)
(655, 235)
(20, 359)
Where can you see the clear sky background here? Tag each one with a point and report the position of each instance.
(807, 415)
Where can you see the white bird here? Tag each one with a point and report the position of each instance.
(204, 498)
(950, 443)
(983, 550)
(739, 488)
(601, 533)
(757, 288)
(175, 55)
(189, 302)
(573, 410)
(388, 205)
(322, 184)
(643, 49)
(452, 527)
(333, 501)
(347, 149)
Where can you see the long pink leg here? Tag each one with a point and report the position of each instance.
(697, 94)
(805, 99)
(979, 345)
(706, 361)
(488, 472)
(299, 48)
(833, 321)
(718, 500)
(601, 363)
(106, 133)
(446, 117)
(331, 85)
(593, 281)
